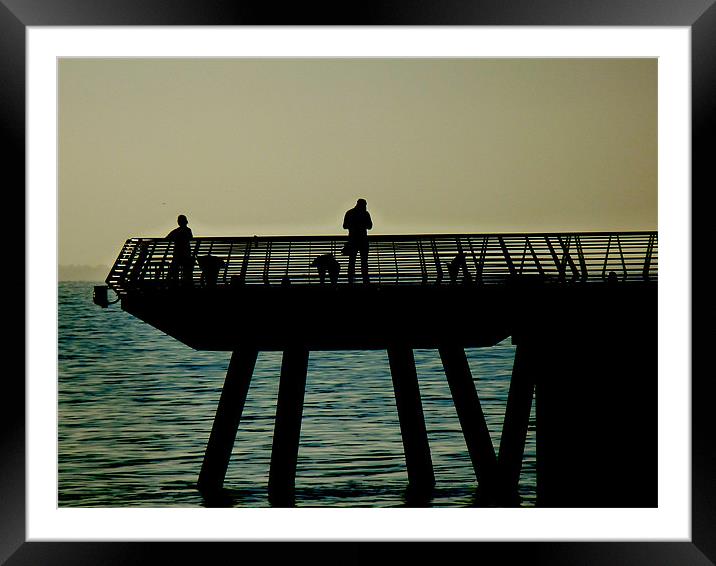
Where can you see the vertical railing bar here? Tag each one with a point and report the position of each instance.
(309, 278)
(288, 259)
(621, 255)
(395, 258)
(228, 261)
(524, 255)
(421, 257)
(267, 260)
(148, 262)
(151, 261)
(165, 268)
(567, 257)
(193, 258)
(483, 252)
(565, 252)
(436, 258)
(647, 259)
(555, 258)
(474, 258)
(506, 254)
(377, 255)
(126, 271)
(580, 255)
(458, 247)
(606, 257)
(245, 261)
(144, 259)
(534, 256)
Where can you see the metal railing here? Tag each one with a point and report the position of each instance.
(144, 263)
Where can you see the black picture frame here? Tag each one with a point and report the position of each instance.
(17, 15)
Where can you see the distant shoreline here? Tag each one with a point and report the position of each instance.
(88, 273)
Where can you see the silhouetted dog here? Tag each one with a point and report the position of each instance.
(327, 263)
(457, 264)
(210, 266)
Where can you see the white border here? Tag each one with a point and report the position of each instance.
(671, 521)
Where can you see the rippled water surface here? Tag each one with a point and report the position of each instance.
(136, 408)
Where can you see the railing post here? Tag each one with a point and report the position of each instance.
(621, 255)
(423, 267)
(555, 259)
(567, 258)
(436, 257)
(483, 254)
(647, 259)
(126, 273)
(506, 253)
(540, 270)
(267, 262)
(245, 261)
(606, 258)
(582, 261)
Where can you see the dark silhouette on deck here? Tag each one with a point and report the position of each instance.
(182, 260)
(357, 221)
(457, 266)
(327, 264)
(586, 347)
(210, 266)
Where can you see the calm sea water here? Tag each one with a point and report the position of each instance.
(136, 408)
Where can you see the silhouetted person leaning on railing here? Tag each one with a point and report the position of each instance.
(181, 258)
(357, 221)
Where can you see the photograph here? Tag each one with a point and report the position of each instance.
(357, 282)
(385, 284)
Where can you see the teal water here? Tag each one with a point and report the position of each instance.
(136, 407)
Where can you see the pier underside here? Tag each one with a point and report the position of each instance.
(323, 317)
(373, 317)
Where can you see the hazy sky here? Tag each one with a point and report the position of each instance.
(272, 147)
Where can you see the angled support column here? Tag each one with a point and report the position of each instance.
(287, 429)
(517, 417)
(412, 422)
(226, 421)
(472, 419)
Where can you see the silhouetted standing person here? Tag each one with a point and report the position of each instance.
(181, 258)
(357, 221)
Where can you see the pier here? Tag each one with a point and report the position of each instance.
(581, 309)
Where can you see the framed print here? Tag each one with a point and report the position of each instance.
(106, 116)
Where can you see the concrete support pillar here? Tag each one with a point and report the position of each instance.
(412, 422)
(472, 419)
(597, 422)
(517, 417)
(226, 421)
(287, 429)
